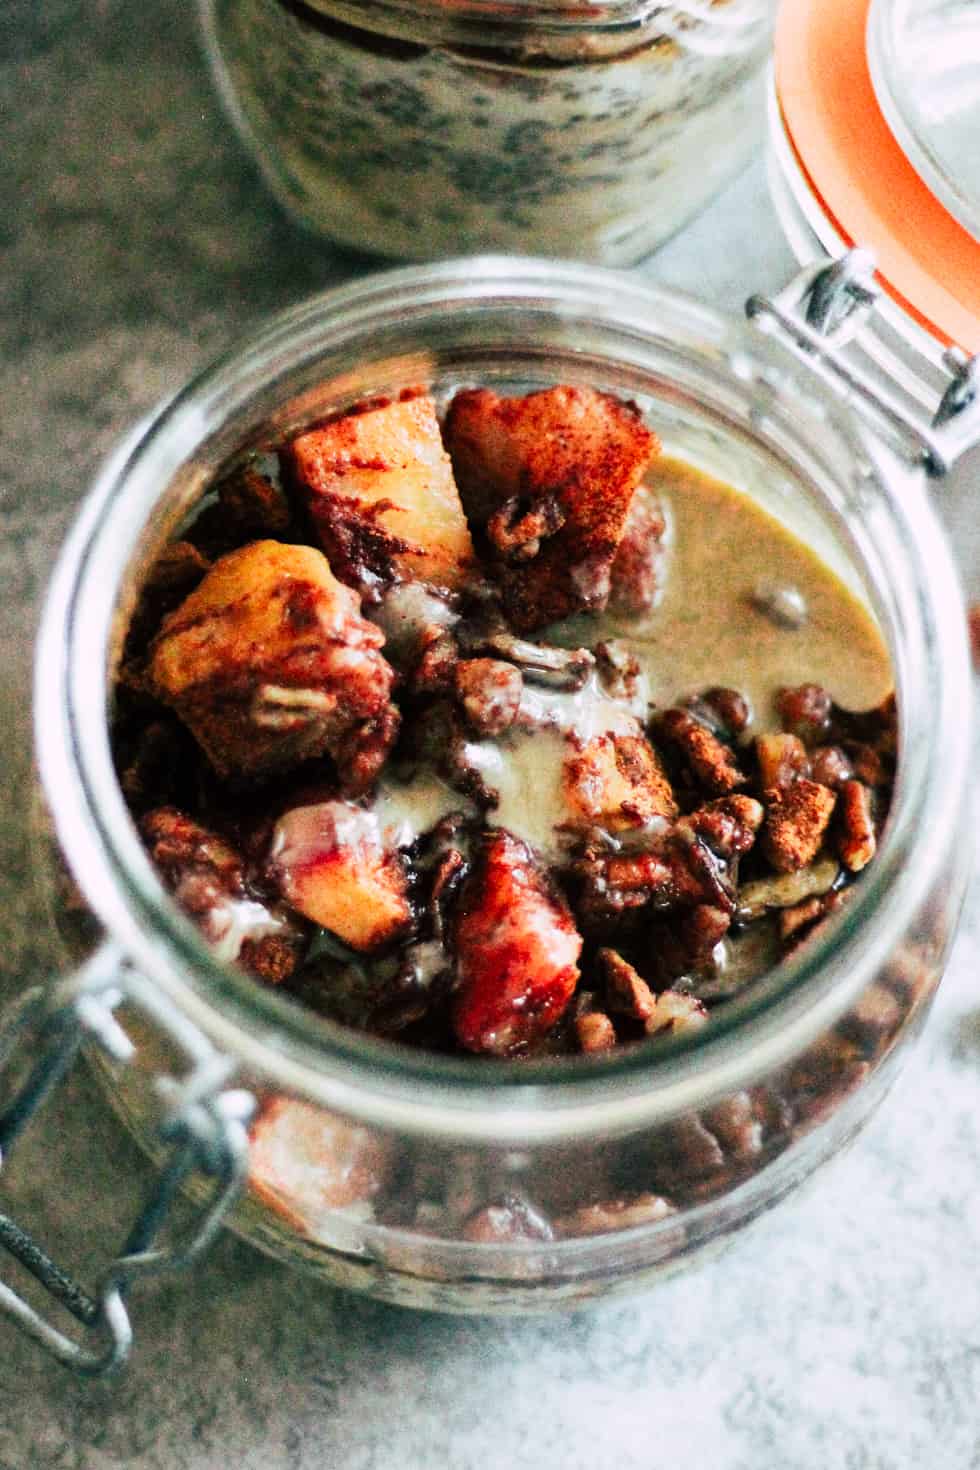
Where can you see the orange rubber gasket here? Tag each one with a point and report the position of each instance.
(927, 261)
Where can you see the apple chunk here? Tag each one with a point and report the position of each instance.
(269, 662)
(549, 478)
(517, 950)
(616, 782)
(329, 862)
(380, 490)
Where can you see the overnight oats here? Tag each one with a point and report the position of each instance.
(515, 718)
(423, 129)
(499, 733)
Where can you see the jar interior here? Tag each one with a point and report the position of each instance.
(717, 397)
(734, 426)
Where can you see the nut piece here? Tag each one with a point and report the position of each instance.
(490, 692)
(517, 529)
(616, 782)
(710, 762)
(626, 990)
(595, 1032)
(381, 494)
(787, 890)
(856, 841)
(206, 876)
(782, 758)
(269, 662)
(328, 861)
(676, 1012)
(796, 820)
(507, 1220)
(516, 951)
(805, 711)
(583, 450)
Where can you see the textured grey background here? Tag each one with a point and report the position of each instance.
(841, 1331)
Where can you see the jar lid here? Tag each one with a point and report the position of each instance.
(928, 261)
(924, 57)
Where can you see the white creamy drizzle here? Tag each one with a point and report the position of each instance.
(527, 769)
(237, 919)
(308, 831)
(404, 809)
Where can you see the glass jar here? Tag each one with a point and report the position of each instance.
(828, 124)
(513, 1186)
(415, 130)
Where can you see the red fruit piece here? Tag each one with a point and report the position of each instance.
(329, 862)
(516, 951)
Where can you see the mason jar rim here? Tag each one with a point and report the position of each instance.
(396, 1087)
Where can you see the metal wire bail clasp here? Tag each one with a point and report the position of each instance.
(203, 1130)
(822, 310)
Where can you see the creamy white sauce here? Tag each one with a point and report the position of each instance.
(237, 919)
(405, 809)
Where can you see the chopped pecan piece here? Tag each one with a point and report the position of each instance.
(584, 450)
(856, 841)
(806, 711)
(617, 782)
(709, 761)
(801, 916)
(507, 1220)
(380, 491)
(796, 821)
(675, 1011)
(723, 711)
(269, 663)
(517, 528)
(619, 670)
(249, 508)
(637, 577)
(517, 951)
(489, 691)
(615, 1214)
(595, 1032)
(782, 758)
(688, 866)
(207, 877)
(540, 663)
(786, 890)
(830, 766)
(626, 990)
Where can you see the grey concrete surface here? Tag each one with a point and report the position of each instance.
(841, 1332)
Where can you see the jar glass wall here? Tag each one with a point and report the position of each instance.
(423, 130)
(482, 1185)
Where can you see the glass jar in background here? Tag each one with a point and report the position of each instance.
(856, 155)
(417, 128)
(514, 1186)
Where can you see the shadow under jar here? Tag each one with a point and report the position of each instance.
(476, 1184)
(416, 130)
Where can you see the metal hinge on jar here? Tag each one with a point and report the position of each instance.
(823, 309)
(202, 1128)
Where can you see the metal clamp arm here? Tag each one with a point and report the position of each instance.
(824, 308)
(204, 1129)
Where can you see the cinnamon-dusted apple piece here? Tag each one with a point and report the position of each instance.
(269, 662)
(380, 491)
(617, 782)
(328, 861)
(517, 950)
(562, 464)
(306, 1163)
